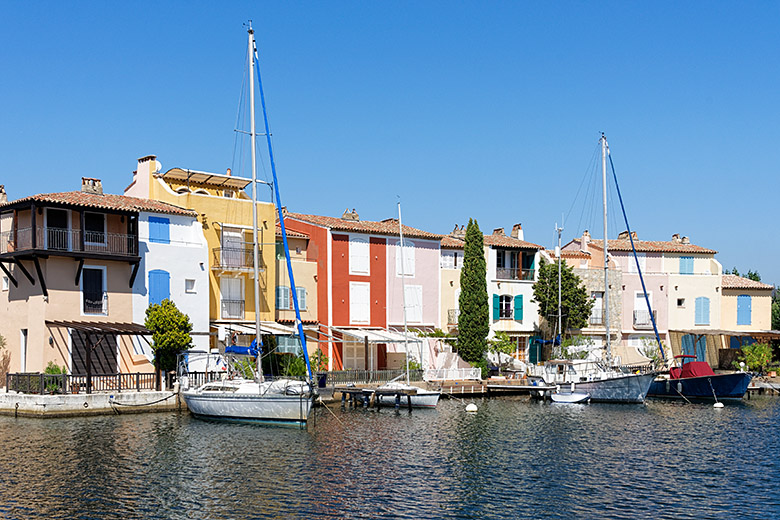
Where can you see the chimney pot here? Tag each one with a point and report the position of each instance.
(517, 231)
(499, 232)
(3, 195)
(685, 240)
(90, 185)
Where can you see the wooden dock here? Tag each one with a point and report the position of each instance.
(370, 397)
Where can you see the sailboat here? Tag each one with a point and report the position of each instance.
(278, 401)
(421, 397)
(601, 379)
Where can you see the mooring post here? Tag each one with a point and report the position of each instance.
(409, 401)
(343, 399)
(397, 400)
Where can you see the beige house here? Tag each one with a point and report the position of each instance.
(746, 304)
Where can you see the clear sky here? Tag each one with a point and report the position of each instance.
(489, 110)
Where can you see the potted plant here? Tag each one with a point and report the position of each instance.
(319, 365)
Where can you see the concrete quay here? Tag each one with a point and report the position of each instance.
(104, 403)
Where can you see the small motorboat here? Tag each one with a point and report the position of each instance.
(696, 380)
(570, 397)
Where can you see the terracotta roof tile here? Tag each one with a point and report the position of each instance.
(290, 232)
(448, 242)
(105, 201)
(507, 241)
(385, 227)
(649, 246)
(731, 281)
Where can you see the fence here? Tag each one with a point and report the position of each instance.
(36, 383)
(343, 377)
(453, 374)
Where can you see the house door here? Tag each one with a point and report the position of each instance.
(233, 247)
(354, 356)
(57, 235)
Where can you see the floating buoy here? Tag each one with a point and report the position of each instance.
(471, 408)
(718, 405)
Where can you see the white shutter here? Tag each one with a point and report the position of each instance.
(642, 257)
(408, 256)
(414, 312)
(359, 302)
(359, 255)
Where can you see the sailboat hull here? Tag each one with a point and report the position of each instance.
(631, 388)
(724, 386)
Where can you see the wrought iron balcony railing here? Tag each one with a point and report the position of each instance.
(514, 273)
(233, 309)
(642, 320)
(234, 258)
(56, 239)
(597, 317)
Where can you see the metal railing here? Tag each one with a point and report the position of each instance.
(597, 317)
(452, 374)
(37, 383)
(343, 377)
(642, 320)
(96, 304)
(452, 316)
(232, 309)
(514, 273)
(56, 239)
(234, 257)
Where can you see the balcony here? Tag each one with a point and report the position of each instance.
(232, 309)
(67, 240)
(234, 258)
(452, 316)
(597, 317)
(514, 273)
(96, 303)
(642, 320)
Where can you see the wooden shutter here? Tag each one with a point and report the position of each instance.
(743, 309)
(159, 286)
(519, 307)
(159, 230)
(496, 307)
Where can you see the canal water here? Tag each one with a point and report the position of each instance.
(514, 458)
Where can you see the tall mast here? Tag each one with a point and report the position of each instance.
(560, 260)
(403, 290)
(255, 240)
(606, 266)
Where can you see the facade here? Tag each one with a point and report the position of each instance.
(70, 259)
(746, 305)
(363, 287)
(225, 214)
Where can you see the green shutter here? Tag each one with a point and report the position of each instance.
(496, 309)
(519, 307)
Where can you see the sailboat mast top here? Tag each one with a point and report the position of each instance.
(606, 253)
(403, 289)
(255, 238)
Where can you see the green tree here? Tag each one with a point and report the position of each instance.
(473, 320)
(776, 309)
(501, 344)
(750, 275)
(756, 356)
(576, 305)
(170, 333)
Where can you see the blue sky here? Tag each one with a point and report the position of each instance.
(489, 110)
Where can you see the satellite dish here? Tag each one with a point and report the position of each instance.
(157, 166)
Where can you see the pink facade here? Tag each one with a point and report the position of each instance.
(424, 280)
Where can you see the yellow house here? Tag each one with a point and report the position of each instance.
(747, 304)
(225, 213)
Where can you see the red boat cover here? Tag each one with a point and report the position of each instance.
(692, 369)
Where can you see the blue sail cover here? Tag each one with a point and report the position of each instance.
(251, 350)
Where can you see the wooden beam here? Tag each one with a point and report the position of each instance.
(78, 271)
(134, 273)
(9, 275)
(24, 270)
(40, 276)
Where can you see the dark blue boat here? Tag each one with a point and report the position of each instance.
(695, 380)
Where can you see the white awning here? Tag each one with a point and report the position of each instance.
(266, 327)
(377, 335)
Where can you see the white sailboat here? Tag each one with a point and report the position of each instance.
(279, 401)
(421, 397)
(600, 379)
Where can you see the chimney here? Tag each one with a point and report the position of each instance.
(623, 235)
(142, 177)
(585, 241)
(347, 215)
(89, 185)
(517, 231)
(685, 240)
(229, 172)
(284, 211)
(3, 196)
(676, 238)
(458, 232)
(499, 231)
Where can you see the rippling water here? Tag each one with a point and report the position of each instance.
(515, 458)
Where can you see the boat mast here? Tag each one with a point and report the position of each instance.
(255, 240)
(560, 259)
(606, 266)
(403, 290)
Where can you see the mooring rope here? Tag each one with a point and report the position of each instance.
(113, 401)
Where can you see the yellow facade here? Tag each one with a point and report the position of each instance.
(225, 212)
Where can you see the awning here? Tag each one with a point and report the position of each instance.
(266, 327)
(102, 327)
(377, 335)
(216, 179)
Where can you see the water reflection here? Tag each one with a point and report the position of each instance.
(515, 458)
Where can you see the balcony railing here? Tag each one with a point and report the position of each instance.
(233, 258)
(96, 303)
(597, 317)
(56, 239)
(514, 273)
(642, 320)
(452, 316)
(233, 309)
(37, 383)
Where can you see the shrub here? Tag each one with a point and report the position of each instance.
(756, 356)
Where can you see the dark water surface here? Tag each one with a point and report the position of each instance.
(513, 459)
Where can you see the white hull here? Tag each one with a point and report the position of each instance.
(279, 402)
(602, 383)
(422, 399)
(570, 397)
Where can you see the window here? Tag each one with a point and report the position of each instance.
(702, 311)
(642, 259)
(288, 344)
(681, 302)
(744, 305)
(94, 228)
(282, 297)
(5, 283)
(414, 295)
(93, 290)
(359, 254)
(300, 292)
(686, 265)
(359, 302)
(189, 286)
(159, 230)
(408, 256)
(500, 264)
(232, 294)
(159, 286)
(57, 229)
(505, 307)
(447, 260)
(234, 252)
(229, 194)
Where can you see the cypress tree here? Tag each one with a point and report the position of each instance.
(473, 321)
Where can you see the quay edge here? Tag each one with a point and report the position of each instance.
(74, 405)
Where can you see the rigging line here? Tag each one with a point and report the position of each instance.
(584, 177)
(239, 110)
(636, 259)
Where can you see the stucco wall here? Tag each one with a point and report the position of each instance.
(761, 309)
(426, 275)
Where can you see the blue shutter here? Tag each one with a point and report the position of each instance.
(159, 230)
(519, 307)
(687, 345)
(686, 265)
(496, 308)
(159, 286)
(702, 311)
(743, 309)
